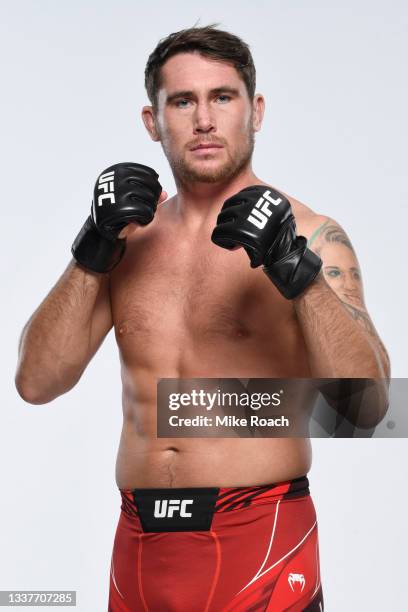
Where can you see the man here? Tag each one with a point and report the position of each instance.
(186, 301)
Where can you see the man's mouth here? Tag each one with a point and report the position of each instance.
(206, 146)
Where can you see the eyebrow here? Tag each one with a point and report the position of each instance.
(353, 268)
(189, 94)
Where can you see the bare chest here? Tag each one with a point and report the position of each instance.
(173, 300)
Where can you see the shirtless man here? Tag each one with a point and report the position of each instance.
(206, 524)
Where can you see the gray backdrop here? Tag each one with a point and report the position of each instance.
(334, 136)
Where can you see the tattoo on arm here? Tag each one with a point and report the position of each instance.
(361, 316)
(342, 273)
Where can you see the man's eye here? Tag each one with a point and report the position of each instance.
(180, 103)
(224, 96)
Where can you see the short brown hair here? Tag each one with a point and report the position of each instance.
(207, 41)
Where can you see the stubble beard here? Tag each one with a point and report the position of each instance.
(187, 173)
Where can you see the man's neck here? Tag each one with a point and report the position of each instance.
(197, 203)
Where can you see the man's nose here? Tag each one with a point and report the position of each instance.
(203, 119)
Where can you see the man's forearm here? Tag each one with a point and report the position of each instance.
(338, 346)
(55, 341)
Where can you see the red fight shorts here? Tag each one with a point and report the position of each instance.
(251, 549)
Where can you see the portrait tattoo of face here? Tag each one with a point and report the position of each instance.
(340, 265)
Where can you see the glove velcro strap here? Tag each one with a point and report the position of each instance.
(96, 252)
(294, 272)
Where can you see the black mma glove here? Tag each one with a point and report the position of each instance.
(123, 193)
(260, 219)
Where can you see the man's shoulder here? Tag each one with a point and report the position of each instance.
(317, 227)
(308, 221)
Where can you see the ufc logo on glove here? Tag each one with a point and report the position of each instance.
(261, 213)
(106, 184)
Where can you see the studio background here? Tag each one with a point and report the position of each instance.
(334, 136)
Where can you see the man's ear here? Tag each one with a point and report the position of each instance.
(150, 122)
(258, 106)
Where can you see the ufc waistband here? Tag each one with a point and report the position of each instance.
(192, 509)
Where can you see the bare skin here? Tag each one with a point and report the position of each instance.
(183, 307)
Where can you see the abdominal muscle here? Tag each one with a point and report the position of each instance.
(147, 461)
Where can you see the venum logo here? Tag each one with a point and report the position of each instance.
(106, 184)
(167, 507)
(261, 213)
(294, 579)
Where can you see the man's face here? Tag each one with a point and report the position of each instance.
(203, 101)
